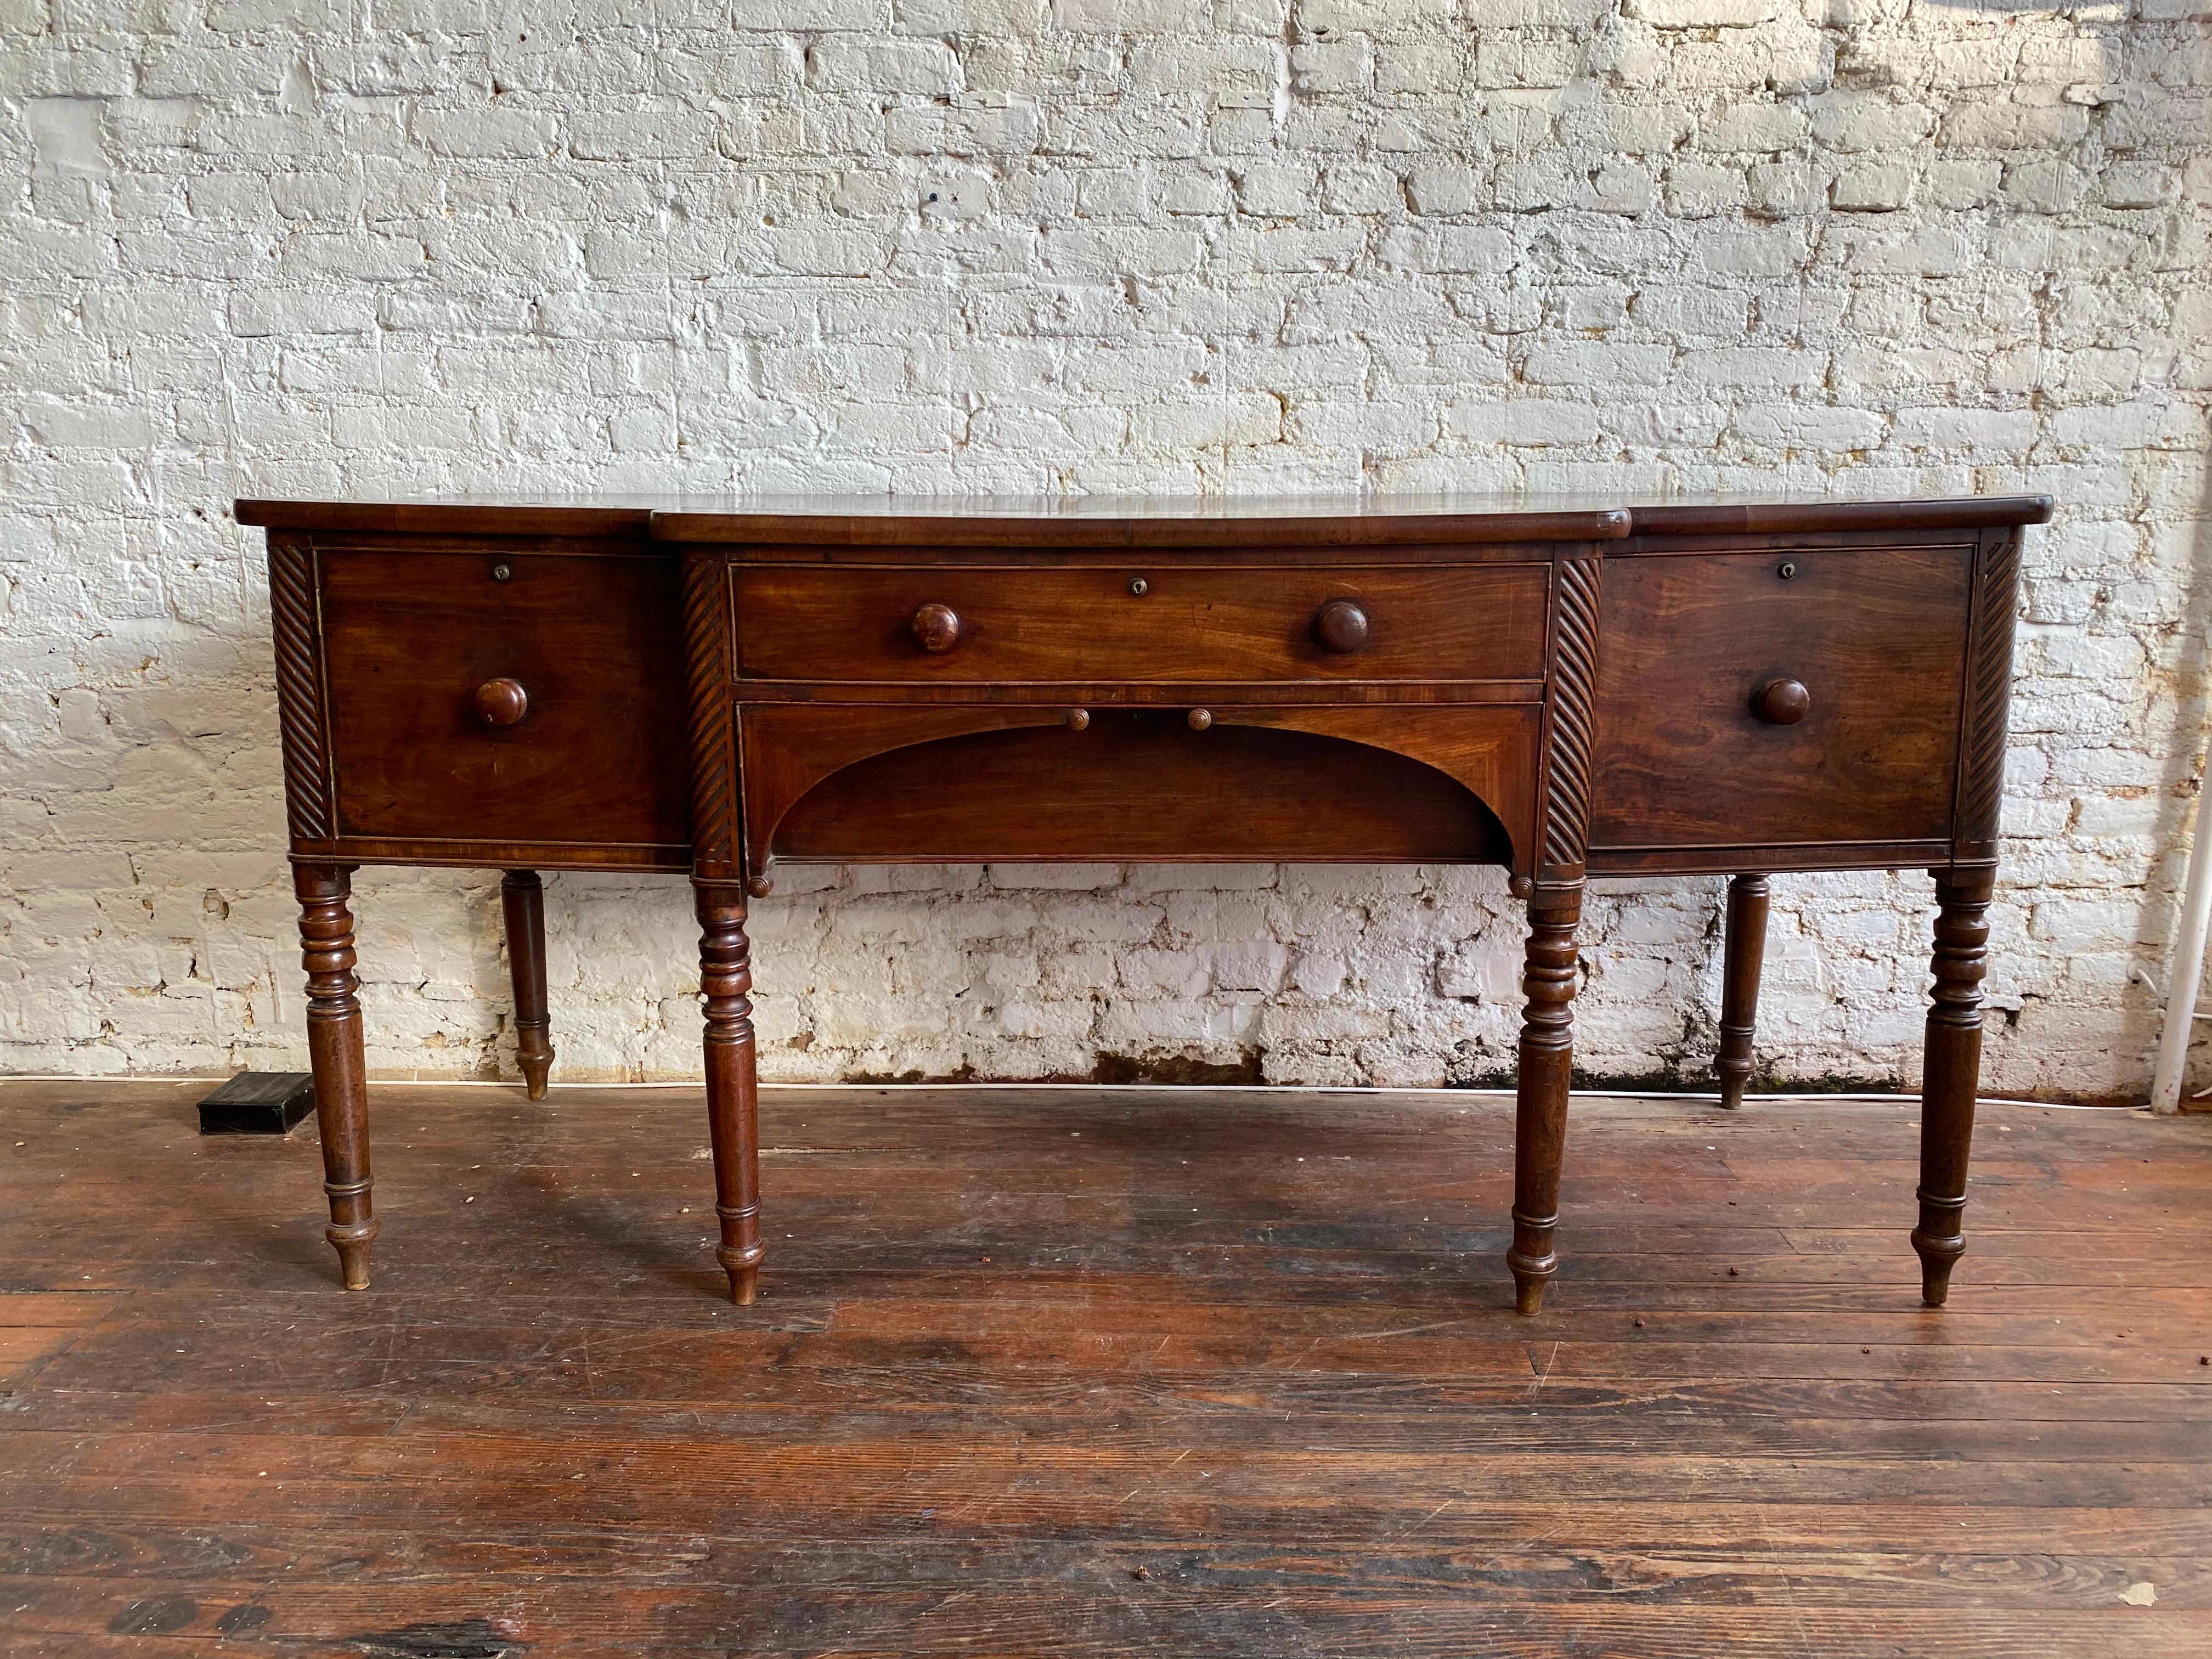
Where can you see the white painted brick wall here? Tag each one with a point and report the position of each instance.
(292, 246)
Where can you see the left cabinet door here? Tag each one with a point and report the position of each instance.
(483, 701)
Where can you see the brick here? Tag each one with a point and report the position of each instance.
(987, 126)
(1872, 187)
(1993, 125)
(1868, 121)
(1449, 248)
(1279, 191)
(1524, 422)
(1702, 13)
(1446, 189)
(485, 133)
(1133, 16)
(837, 63)
(1371, 16)
(1598, 364)
(1701, 191)
(2140, 185)
(785, 15)
(1340, 66)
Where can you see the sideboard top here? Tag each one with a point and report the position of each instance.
(1136, 521)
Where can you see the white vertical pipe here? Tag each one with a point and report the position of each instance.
(2188, 970)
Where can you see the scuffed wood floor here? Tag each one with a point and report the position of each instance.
(1101, 1373)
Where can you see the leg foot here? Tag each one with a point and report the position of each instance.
(1744, 954)
(1939, 1241)
(522, 898)
(1531, 1274)
(1548, 981)
(1952, 1074)
(334, 1048)
(352, 1245)
(745, 1282)
(725, 978)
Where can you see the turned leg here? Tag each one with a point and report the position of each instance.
(1547, 1056)
(522, 895)
(725, 979)
(1745, 953)
(1951, 1074)
(334, 1049)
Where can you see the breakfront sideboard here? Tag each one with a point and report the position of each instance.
(1565, 688)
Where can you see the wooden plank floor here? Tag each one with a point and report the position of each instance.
(1101, 1373)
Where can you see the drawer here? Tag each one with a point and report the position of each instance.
(598, 755)
(1876, 636)
(1163, 621)
(957, 783)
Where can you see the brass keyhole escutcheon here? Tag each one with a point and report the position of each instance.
(1787, 570)
(500, 573)
(1139, 587)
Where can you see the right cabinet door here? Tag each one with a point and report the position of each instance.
(1748, 699)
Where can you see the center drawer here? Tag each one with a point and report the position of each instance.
(1168, 622)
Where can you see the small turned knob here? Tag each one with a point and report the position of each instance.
(1782, 702)
(1198, 720)
(936, 628)
(1076, 720)
(1341, 626)
(501, 702)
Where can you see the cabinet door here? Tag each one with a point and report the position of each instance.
(1876, 636)
(593, 757)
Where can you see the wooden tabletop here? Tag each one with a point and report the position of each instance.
(1137, 521)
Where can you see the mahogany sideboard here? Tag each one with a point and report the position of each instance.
(1566, 687)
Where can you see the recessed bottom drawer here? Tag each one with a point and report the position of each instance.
(998, 784)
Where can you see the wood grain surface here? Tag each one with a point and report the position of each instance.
(408, 638)
(1878, 636)
(1137, 1372)
(1178, 623)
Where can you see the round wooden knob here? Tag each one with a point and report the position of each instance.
(936, 628)
(1341, 626)
(501, 702)
(1076, 720)
(1782, 702)
(1198, 719)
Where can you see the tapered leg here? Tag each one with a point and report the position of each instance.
(334, 1049)
(1746, 953)
(1951, 1074)
(725, 978)
(1548, 980)
(522, 896)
